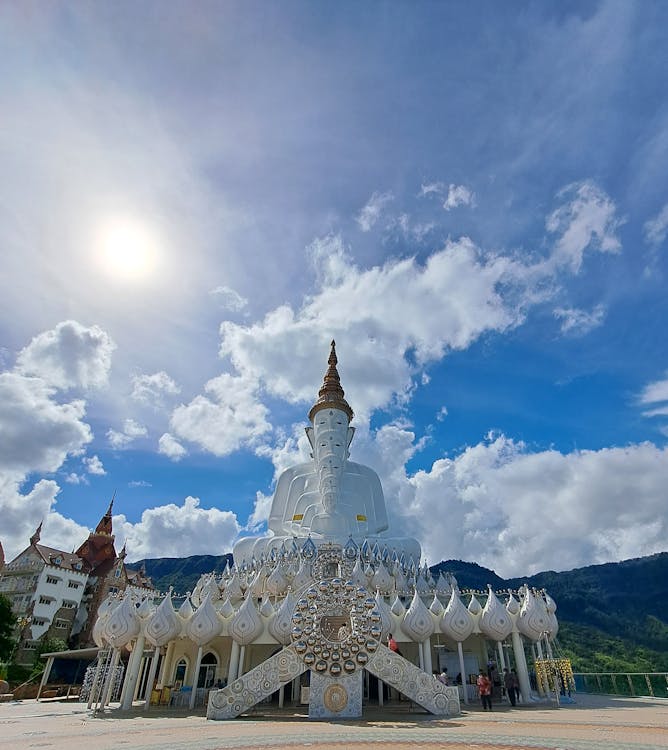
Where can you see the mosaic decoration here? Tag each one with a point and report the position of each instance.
(336, 627)
(335, 699)
(255, 686)
(422, 688)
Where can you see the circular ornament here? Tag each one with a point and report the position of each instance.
(335, 698)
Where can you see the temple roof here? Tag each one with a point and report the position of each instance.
(331, 395)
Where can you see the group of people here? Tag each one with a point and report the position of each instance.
(485, 685)
(485, 682)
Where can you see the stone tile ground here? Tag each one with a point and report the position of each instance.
(593, 723)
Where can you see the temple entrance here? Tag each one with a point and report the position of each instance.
(180, 673)
(207, 671)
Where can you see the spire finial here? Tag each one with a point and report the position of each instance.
(37, 535)
(331, 395)
(111, 505)
(105, 524)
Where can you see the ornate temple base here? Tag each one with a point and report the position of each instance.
(335, 699)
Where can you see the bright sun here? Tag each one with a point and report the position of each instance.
(128, 249)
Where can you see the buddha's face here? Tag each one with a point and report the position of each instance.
(330, 451)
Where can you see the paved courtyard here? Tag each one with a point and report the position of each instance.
(592, 723)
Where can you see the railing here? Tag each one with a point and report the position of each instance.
(654, 684)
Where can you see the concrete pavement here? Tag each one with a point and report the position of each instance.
(592, 723)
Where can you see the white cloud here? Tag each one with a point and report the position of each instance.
(373, 210)
(587, 219)
(118, 440)
(431, 188)
(152, 389)
(74, 478)
(139, 483)
(94, 466)
(655, 229)
(656, 391)
(169, 446)
(656, 395)
(229, 299)
(442, 413)
(260, 514)
(458, 195)
(131, 431)
(519, 512)
(228, 417)
(177, 531)
(445, 303)
(579, 322)
(36, 432)
(68, 356)
(22, 512)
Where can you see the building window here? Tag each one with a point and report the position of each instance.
(52, 579)
(113, 589)
(45, 600)
(61, 623)
(69, 605)
(73, 584)
(38, 622)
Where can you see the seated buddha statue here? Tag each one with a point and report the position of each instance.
(329, 498)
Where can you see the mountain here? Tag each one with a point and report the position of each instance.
(612, 617)
(181, 572)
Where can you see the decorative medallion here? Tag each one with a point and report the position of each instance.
(334, 619)
(335, 698)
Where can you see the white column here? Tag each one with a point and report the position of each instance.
(111, 678)
(380, 692)
(502, 660)
(195, 677)
(140, 678)
(166, 667)
(242, 655)
(45, 675)
(281, 696)
(426, 648)
(151, 676)
(132, 675)
(233, 669)
(548, 647)
(462, 672)
(421, 656)
(521, 666)
(102, 659)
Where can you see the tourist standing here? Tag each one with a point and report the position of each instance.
(516, 683)
(509, 684)
(485, 691)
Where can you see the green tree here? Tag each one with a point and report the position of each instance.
(7, 623)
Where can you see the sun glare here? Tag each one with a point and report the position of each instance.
(128, 249)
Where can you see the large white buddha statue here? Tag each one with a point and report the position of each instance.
(329, 498)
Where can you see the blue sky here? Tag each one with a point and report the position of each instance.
(472, 199)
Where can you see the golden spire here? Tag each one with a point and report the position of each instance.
(331, 395)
